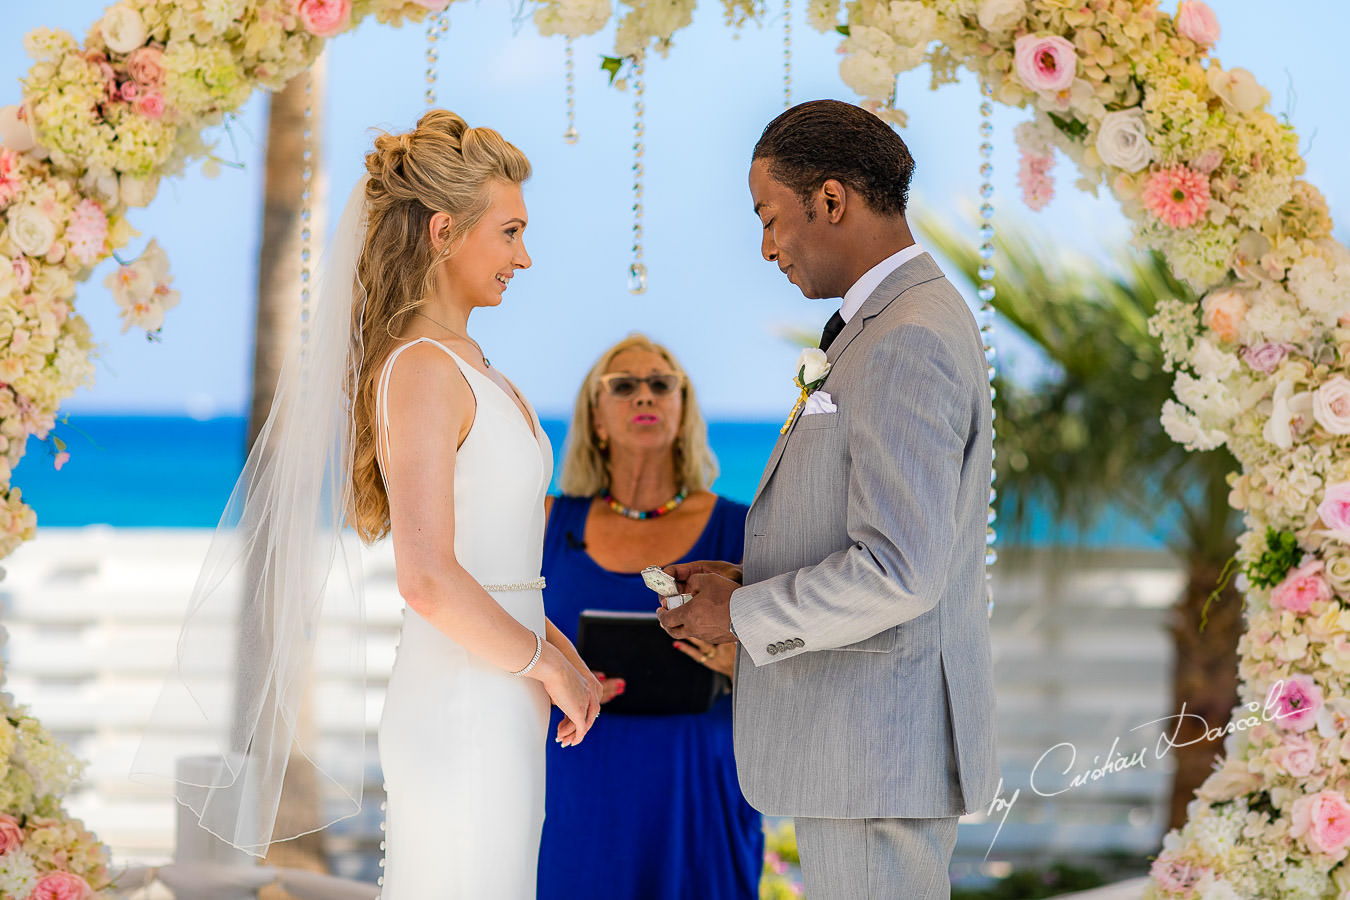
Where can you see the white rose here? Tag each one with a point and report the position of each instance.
(867, 74)
(123, 29)
(1331, 405)
(1001, 15)
(1237, 88)
(1122, 140)
(811, 365)
(7, 279)
(101, 186)
(30, 230)
(16, 129)
(1337, 571)
(138, 192)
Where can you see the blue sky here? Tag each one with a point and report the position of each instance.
(711, 297)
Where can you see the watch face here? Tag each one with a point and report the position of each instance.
(659, 581)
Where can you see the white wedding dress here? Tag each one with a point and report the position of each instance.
(461, 741)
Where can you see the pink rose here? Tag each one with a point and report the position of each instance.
(1266, 357)
(146, 66)
(1335, 509)
(60, 886)
(150, 104)
(128, 91)
(61, 459)
(1197, 21)
(1208, 161)
(1175, 874)
(1297, 703)
(433, 5)
(1323, 821)
(23, 272)
(324, 18)
(1045, 63)
(1297, 756)
(1301, 588)
(11, 835)
(1223, 312)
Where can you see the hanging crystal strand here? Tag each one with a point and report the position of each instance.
(306, 212)
(637, 272)
(569, 68)
(437, 25)
(986, 295)
(787, 53)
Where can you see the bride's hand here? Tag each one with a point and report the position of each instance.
(574, 692)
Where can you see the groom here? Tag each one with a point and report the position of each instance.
(864, 702)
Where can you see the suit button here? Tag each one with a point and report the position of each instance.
(772, 648)
(798, 642)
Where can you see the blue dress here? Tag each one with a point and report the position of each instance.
(646, 807)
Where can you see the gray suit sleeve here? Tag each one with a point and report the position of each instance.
(907, 436)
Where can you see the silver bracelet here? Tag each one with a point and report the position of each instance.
(538, 652)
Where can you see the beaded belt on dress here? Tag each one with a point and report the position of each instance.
(536, 584)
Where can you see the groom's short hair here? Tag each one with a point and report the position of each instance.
(823, 139)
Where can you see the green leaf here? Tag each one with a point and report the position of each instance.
(1072, 127)
(842, 29)
(59, 444)
(611, 64)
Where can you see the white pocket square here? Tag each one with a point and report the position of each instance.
(819, 402)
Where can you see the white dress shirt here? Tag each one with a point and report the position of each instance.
(864, 286)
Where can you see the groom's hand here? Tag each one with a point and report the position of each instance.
(682, 572)
(707, 614)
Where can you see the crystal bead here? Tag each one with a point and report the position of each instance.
(990, 557)
(986, 108)
(990, 353)
(990, 535)
(986, 251)
(989, 520)
(637, 278)
(987, 150)
(571, 136)
(986, 233)
(986, 272)
(986, 292)
(986, 190)
(986, 170)
(986, 130)
(986, 211)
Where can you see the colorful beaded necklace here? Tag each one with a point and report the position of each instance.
(631, 513)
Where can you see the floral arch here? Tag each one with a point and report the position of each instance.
(1206, 174)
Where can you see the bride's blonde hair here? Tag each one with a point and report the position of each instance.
(442, 165)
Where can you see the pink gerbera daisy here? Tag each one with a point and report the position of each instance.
(1178, 196)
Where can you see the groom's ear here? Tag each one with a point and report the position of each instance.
(835, 197)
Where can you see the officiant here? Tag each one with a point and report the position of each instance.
(650, 807)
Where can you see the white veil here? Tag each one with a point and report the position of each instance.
(278, 599)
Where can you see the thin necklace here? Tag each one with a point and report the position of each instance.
(456, 334)
(631, 513)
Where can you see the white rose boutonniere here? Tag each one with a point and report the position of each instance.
(812, 368)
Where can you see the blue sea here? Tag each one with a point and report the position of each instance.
(177, 472)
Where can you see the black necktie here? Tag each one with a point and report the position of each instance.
(832, 329)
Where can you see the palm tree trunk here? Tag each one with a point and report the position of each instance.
(1204, 678)
(278, 311)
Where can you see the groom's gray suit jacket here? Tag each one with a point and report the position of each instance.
(864, 684)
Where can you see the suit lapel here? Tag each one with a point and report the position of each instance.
(917, 271)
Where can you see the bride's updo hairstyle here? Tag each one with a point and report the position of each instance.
(442, 165)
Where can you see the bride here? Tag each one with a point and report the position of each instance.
(391, 420)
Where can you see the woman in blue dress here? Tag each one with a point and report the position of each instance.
(650, 808)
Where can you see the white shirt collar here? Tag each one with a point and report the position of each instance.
(864, 286)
